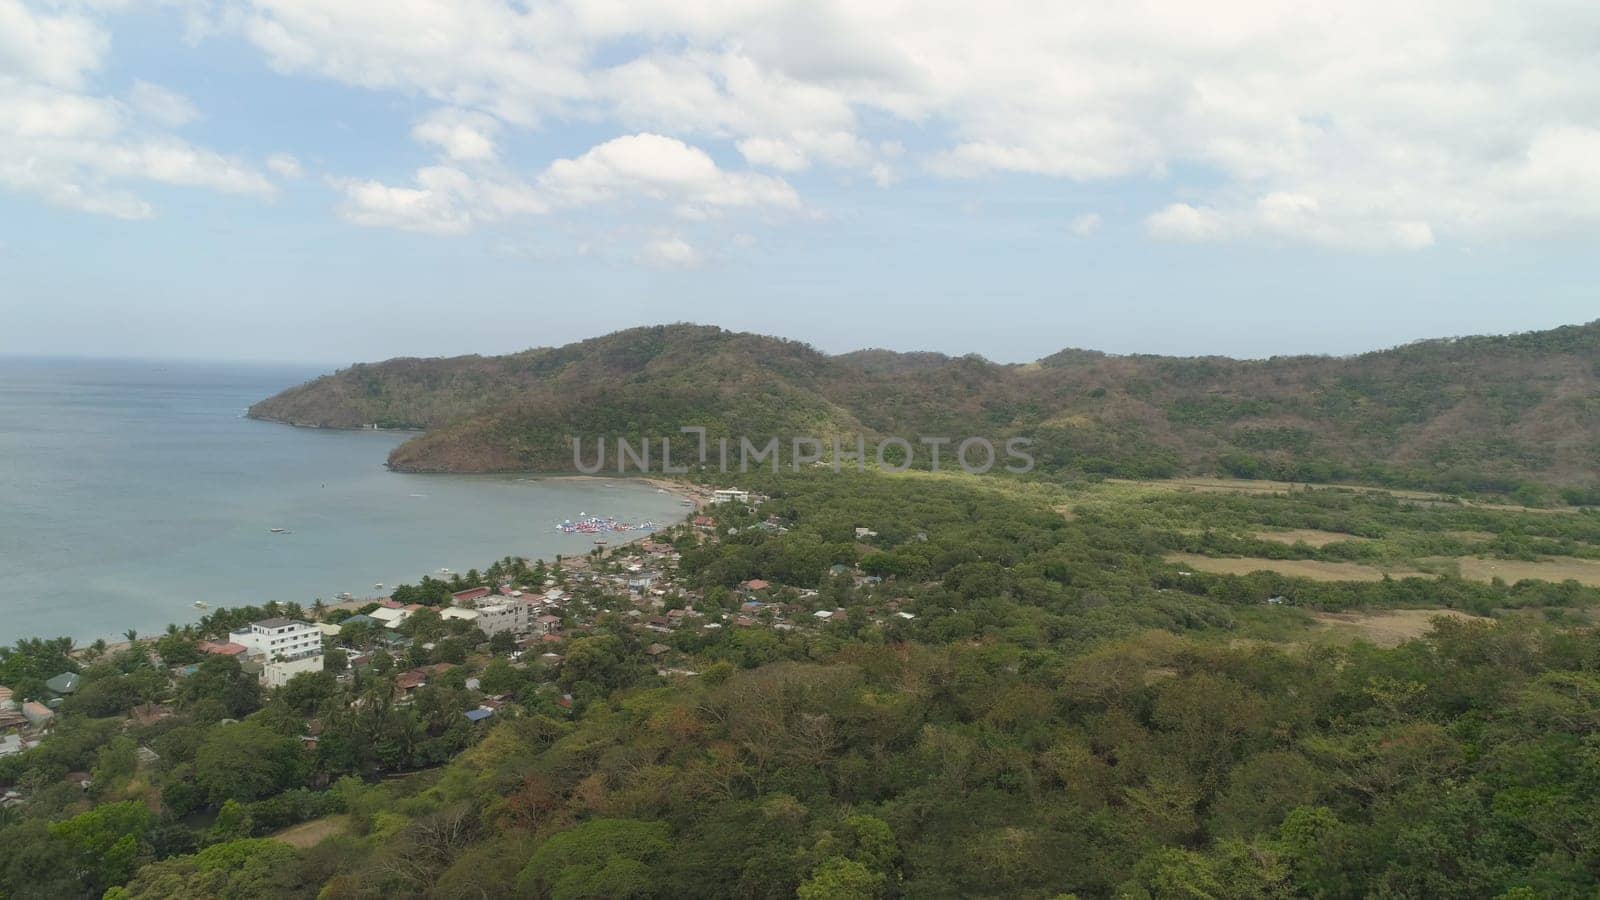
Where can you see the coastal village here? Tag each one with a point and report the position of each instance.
(519, 615)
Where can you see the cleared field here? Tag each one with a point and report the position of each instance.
(1386, 628)
(1310, 536)
(1584, 571)
(1314, 569)
(309, 834)
(1252, 486)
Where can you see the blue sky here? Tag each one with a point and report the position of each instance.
(336, 181)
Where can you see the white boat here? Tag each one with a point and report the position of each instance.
(378, 586)
(278, 530)
(201, 604)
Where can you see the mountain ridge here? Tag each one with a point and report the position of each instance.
(1496, 414)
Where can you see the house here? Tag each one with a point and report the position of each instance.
(865, 533)
(470, 596)
(5, 697)
(360, 619)
(11, 719)
(10, 745)
(657, 649)
(904, 615)
(823, 614)
(456, 612)
(391, 616)
(509, 616)
(329, 629)
(730, 495)
(63, 684)
(37, 714)
(283, 647)
(407, 682)
(704, 522)
(221, 648)
(756, 584)
(478, 715)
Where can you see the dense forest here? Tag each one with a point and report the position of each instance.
(1518, 414)
(1051, 710)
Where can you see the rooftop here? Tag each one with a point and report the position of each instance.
(278, 622)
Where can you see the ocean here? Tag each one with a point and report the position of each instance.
(131, 490)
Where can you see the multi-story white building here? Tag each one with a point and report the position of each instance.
(283, 648)
(510, 615)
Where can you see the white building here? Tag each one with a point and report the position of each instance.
(730, 495)
(283, 648)
(510, 616)
(390, 617)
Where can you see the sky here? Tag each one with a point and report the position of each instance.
(330, 181)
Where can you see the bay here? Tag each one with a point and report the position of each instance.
(131, 489)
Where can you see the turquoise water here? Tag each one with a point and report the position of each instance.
(129, 490)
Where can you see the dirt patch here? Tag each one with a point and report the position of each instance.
(312, 833)
(1315, 569)
(1310, 536)
(1557, 569)
(1387, 628)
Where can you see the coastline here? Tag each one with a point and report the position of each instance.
(682, 490)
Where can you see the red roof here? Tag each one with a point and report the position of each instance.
(387, 603)
(471, 594)
(409, 680)
(757, 584)
(227, 648)
(704, 520)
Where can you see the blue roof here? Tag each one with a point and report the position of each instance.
(478, 715)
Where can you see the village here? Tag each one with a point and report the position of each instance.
(523, 615)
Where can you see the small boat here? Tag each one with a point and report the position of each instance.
(346, 596)
(378, 586)
(201, 604)
(278, 530)
(601, 543)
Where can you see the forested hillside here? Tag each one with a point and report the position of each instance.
(1510, 414)
(1013, 695)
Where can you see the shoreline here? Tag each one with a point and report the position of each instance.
(682, 490)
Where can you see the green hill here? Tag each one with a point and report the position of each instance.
(1480, 414)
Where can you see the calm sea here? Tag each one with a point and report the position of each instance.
(130, 490)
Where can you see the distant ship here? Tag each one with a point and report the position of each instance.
(278, 530)
(201, 604)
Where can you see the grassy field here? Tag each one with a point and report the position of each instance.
(309, 834)
(1583, 571)
(1313, 537)
(1384, 628)
(1314, 569)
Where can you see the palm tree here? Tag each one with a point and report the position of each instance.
(132, 634)
(319, 608)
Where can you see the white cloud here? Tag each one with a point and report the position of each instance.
(1085, 225)
(443, 200)
(81, 151)
(463, 135)
(1182, 222)
(1365, 125)
(663, 169)
(59, 50)
(285, 165)
(670, 252)
(161, 105)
